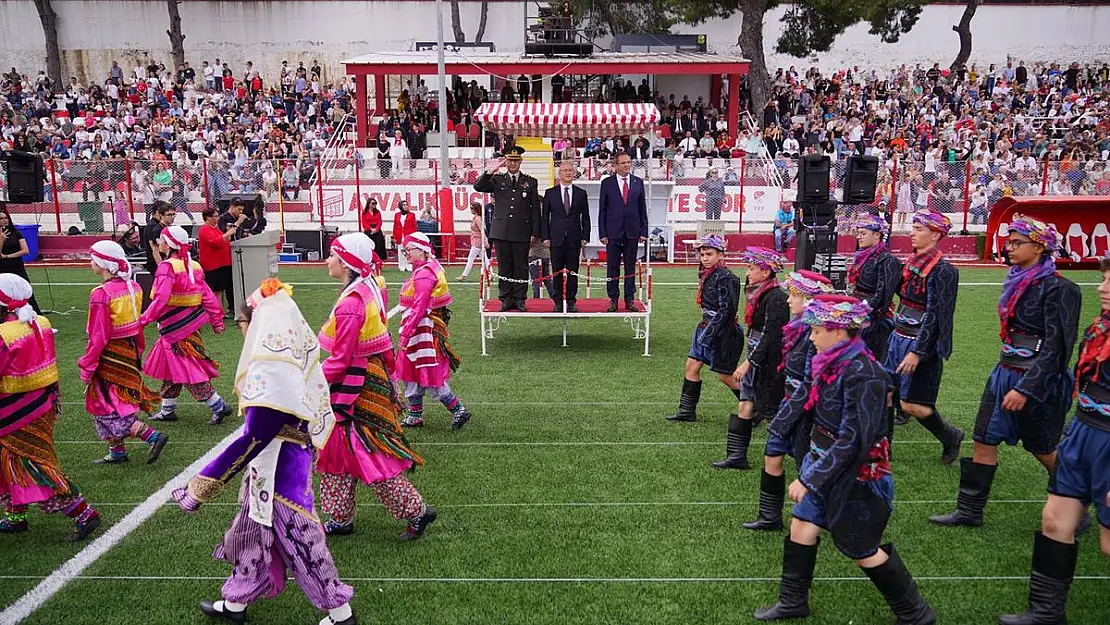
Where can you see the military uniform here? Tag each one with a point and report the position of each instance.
(516, 219)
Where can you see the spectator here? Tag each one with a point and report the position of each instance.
(714, 190)
(477, 242)
(163, 215)
(214, 250)
(371, 223)
(13, 247)
(241, 221)
(404, 224)
(784, 227)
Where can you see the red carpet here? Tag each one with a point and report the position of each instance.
(545, 306)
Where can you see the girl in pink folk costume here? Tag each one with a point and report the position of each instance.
(368, 444)
(425, 359)
(29, 405)
(111, 367)
(182, 304)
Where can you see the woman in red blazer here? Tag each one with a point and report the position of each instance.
(371, 222)
(404, 224)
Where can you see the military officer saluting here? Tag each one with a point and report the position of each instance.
(514, 227)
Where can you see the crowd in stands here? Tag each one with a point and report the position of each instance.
(1023, 129)
(166, 122)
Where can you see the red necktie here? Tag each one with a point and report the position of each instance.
(566, 199)
(624, 189)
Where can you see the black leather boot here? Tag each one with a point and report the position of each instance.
(975, 489)
(900, 591)
(772, 490)
(739, 437)
(798, 562)
(1053, 570)
(950, 437)
(688, 402)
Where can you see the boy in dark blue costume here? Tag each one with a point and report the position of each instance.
(1082, 476)
(760, 393)
(922, 338)
(718, 340)
(874, 277)
(797, 351)
(1028, 394)
(844, 485)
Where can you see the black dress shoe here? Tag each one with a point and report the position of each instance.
(558, 307)
(612, 306)
(521, 307)
(209, 608)
(630, 305)
(572, 307)
(506, 305)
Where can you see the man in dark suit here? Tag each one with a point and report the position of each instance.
(565, 227)
(622, 222)
(515, 225)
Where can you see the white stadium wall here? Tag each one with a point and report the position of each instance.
(92, 33)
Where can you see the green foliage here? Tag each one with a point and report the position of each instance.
(813, 25)
(651, 17)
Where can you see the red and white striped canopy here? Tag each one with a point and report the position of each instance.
(568, 120)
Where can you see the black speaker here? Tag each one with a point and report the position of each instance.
(816, 214)
(811, 242)
(813, 179)
(860, 180)
(25, 179)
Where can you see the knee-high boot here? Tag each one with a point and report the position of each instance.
(739, 437)
(1053, 570)
(975, 489)
(772, 490)
(900, 591)
(949, 436)
(798, 562)
(688, 402)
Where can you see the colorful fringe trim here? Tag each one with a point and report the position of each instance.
(443, 344)
(192, 346)
(27, 457)
(375, 415)
(120, 368)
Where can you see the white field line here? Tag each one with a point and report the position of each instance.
(73, 567)
(896, 441)
(565, 580)
(623, 504)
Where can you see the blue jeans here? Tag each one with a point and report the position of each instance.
(783, 238)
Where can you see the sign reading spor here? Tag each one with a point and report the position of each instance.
(687, 204)
(1081, 222)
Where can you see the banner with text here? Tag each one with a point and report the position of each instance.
(687, 204)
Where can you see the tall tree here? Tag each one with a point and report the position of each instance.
(963, 29)
(481, 34)
(809, 26)
(177, 38)
(456, 23)
(49, 21)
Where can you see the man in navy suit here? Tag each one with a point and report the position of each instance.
(622, 222)
(565, 228)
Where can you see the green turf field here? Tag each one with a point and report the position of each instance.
(567, 499)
